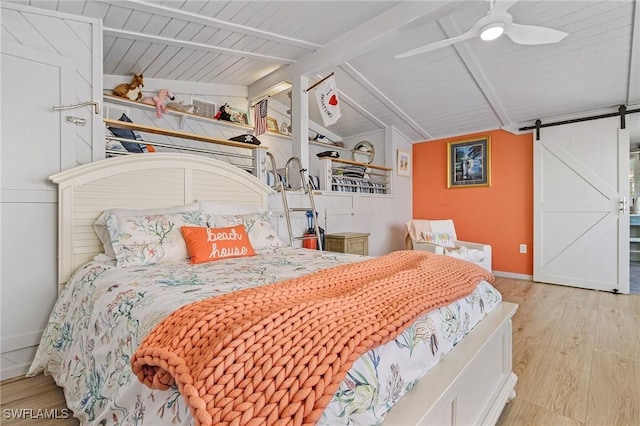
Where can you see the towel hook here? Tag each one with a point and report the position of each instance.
(96, 106)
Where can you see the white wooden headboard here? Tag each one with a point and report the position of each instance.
(138, 182)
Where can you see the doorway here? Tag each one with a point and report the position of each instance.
(634, 218)
(581, 219)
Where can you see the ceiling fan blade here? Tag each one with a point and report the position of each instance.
(502, 6)
(531, 34)
(436, 45)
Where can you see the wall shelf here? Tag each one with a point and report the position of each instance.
(278, 135)
(335, 175)
(178, 134)
(182, 116)
(328, 145)
(355, 163)
(256, 156)
(311, 142)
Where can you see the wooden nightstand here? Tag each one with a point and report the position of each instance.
(348, 242)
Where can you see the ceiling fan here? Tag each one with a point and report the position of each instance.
(492, 26)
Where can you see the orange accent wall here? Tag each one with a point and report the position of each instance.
(500, 215)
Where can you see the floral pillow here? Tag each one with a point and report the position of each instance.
(261, 232)
(439, 238)
(151, 239)
(100, 224)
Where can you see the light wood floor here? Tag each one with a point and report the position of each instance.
(20, 395)
(576, 354)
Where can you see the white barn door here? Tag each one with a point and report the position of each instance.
(581, 208)
(48, 59)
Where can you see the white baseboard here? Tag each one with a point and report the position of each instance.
(20, 341)
(513, 275)
(10, 370)
(16, 363)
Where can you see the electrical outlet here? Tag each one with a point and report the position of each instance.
(523, 248)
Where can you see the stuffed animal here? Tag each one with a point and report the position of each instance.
(223, 114)
(180, 106)
(131, 90)
(160, 101)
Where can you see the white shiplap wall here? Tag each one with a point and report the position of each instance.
(29, 201)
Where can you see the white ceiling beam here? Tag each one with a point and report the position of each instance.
(451, 29)
(132, 35)
(368, 36)
(264, 84)
(633, 95)
(362, 39)
(171, 12)
(355, 105)
(362, 80)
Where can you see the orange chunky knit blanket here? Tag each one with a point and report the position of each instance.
(276, 354)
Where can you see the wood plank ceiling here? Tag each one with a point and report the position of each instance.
(463, 88)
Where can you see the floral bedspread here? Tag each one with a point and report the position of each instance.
(104, 313)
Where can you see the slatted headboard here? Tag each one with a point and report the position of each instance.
(138, 182)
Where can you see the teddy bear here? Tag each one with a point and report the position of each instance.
(131, 90)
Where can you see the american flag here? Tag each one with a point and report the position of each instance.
(260, 116)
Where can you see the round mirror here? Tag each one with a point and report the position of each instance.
(363, 152)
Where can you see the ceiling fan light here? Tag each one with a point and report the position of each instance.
(492, 31)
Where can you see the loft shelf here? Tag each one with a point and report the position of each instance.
(355, 163)
(257, 155)
(182, 116)
(277, 135)
(178, 134)
(328, 145)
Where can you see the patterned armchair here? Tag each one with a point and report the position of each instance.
(439, 236)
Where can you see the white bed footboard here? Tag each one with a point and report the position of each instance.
(473, 383)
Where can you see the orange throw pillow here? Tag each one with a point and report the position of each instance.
(207, 244)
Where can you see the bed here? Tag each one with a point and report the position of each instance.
(462, 350)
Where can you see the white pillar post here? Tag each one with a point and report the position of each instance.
(300, 119)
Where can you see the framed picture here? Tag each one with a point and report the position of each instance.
(404, 163)
(272, 125)
(238, 116)
(469, 163)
